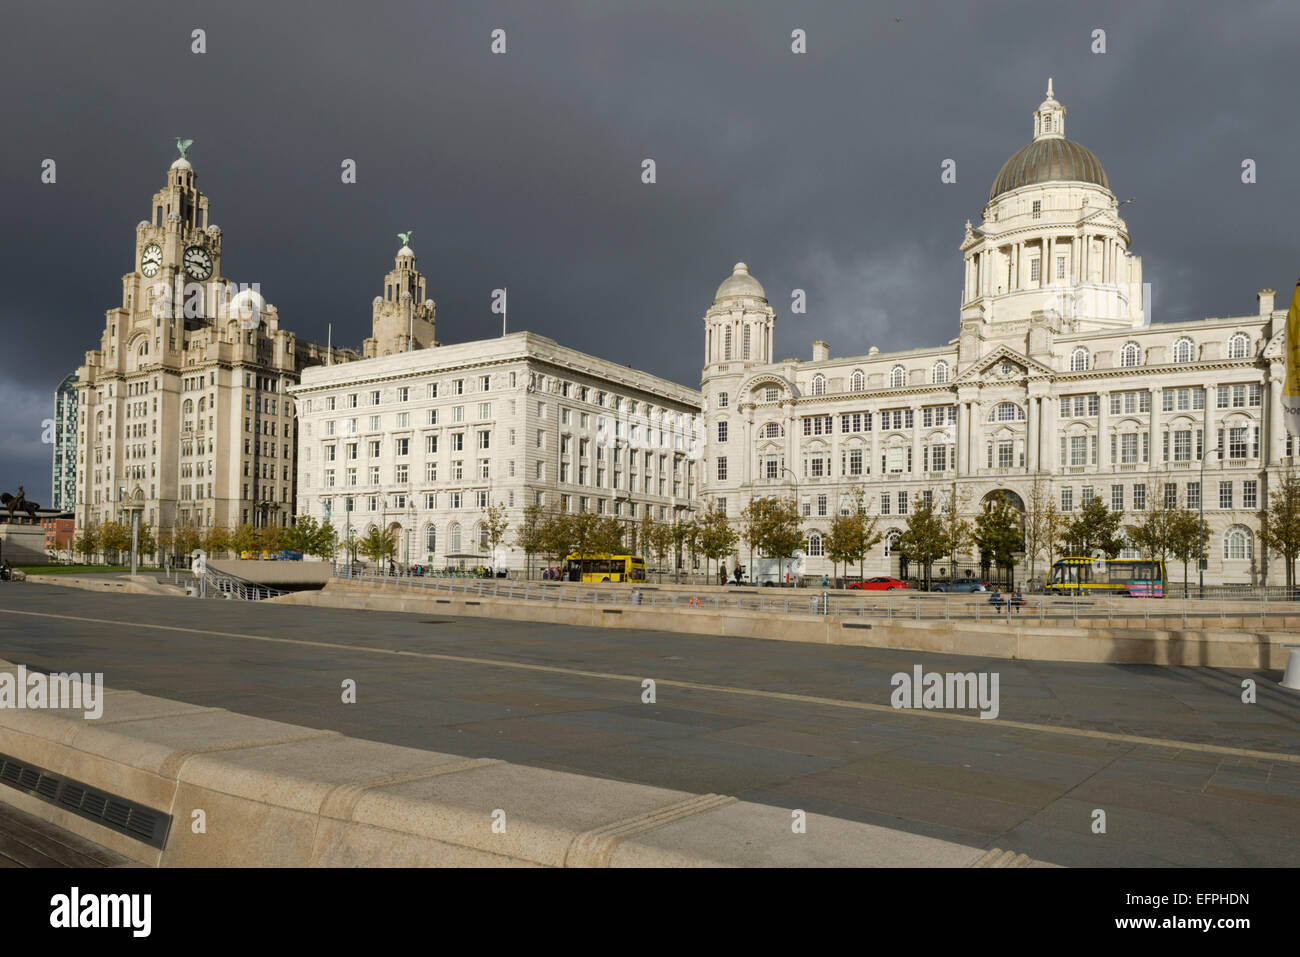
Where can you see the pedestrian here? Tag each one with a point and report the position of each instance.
(995, 599)
(825, 581)
(1017, 600)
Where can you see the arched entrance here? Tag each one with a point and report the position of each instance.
(1001, 573)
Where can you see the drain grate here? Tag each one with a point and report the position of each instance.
(113, 812)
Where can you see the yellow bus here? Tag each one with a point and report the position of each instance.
(603, 567)
(1138, 578)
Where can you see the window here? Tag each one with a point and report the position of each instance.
(1183, 350)
(819, 385)
(726, 344)
(1128, 448)
(1238, 544)
(744, 342)
(902, 503)
(897, 377)
(1079, 360)
(885, 499)
(403, 446)
(771, 393)
(939, 372)
(822, 504)
(1006, 412)
(1067, 500)
(722, 468)
(1037, 208)
(1060, 267)
(722, 400)
(814, 544)
(1194, 495)
(1250, 494)
(1183, 399)
(722, 431)
(1117, 498)
(1183, 446)
(858, 382)
(1238, 346)
(1171, 495)
(1034, 265)
(1130, 355)
(1139, 496)
(1225, 495)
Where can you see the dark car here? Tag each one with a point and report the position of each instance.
(961, 585)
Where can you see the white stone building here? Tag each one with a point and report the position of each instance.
(421, 440)
(1055, 374)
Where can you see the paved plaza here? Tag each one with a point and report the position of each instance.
(1186, 773)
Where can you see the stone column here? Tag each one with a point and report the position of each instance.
(1155, 451)
(1276, 420)
(1031, 435)
(916, 443)
(963, 439)
(1103, 440)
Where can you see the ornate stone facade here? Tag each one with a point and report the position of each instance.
(1055, 376)
(183, 409)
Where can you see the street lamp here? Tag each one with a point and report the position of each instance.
(786, 468)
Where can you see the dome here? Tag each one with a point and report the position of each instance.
(740, 283)
(406, 251)
(181, 163)
(1049, 160)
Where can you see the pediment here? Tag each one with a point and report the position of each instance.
(1003, 364)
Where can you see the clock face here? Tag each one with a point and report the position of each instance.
(198, 263)
(151, 260)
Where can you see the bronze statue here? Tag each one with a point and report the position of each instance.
(19, 501)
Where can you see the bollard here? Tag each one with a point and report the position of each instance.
(1291, 678)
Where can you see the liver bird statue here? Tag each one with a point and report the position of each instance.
(183, 145)
(406, 237)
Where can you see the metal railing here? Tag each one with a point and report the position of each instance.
(916, 606)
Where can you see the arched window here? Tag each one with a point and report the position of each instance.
(1130, 355)
(431, 539)
(891, 541)
(819, 385)
(1238, 346)
(203, 403)
(453, 538)
(770, 431)
(726, 344)
(188, 408)
(1183, 350)
(482, 534)
(1079, 360)
(1238, 544)
(814, 544)
(1007, 412)
(897, 377)
(859, 381)
(744, 340)
(939, 372)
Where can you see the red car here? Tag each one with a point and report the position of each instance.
(883, 583)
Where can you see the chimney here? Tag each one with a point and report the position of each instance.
(1265, 302)
(821, 351)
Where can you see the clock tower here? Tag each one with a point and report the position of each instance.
(184, 411)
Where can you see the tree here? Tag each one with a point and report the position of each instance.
(660, 542)
(310, 537)
(1187, 536)
(1280, 524)
(87, 542)
(1095, 529)
(270, 538)
(1152, 536)
(114, 538)
(378, 544)
(753, 518)
(529, 535)
(781, 537)
(682, 534)
(145, 543)
(1040, 512)
(243, 539)
(998, 534)
(956, 527)
(840, 543)
(717, 537)
(923, 540)
(495, 525)
(216, 539)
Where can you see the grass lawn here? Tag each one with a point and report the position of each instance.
(79, 569)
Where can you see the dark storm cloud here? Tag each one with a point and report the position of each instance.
(821, 171)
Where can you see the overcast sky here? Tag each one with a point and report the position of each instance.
(523, 170)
